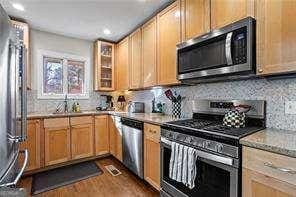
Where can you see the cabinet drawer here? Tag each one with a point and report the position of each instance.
(56, 122)
(81, 120)
(152, 131)
(273, 165)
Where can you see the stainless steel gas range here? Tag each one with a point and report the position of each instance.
(217, 146)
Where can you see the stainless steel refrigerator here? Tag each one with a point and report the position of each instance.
(12, 103)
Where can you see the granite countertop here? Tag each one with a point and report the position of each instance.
(273, 140)
(147, 117)
(36, 115)
(152, 118)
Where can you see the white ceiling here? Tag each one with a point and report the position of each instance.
(85, 19)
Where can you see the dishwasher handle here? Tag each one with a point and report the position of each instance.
(132, 123)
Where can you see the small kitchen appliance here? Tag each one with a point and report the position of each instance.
(225, 53)
(136, 107)
(219, 154)
(106, 103)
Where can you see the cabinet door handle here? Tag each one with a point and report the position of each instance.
(260, 70)
(271, 165)
(152, 131)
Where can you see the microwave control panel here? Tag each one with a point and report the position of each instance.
(239, 48)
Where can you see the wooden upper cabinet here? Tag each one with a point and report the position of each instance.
(57, 140)
(169, 35)
(23, 34)
(32, 144)
(195, 16)
(101, 135)
(276, 37)
(149, 54)
(104, 72)
(224, 12)
(82, 137)
(122, 65)
(136, 60)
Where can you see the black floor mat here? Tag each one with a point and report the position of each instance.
(55, 178)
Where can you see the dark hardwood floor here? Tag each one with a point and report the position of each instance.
(105, 185)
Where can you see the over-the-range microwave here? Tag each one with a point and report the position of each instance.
(225, 53)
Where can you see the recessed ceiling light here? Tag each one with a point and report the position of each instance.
(18, 6)
(107, 31)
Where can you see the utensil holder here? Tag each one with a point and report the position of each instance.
(176, 109)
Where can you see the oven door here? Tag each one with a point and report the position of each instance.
(215, 175)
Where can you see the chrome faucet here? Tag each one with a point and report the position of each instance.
(66, 104)
(62, 109)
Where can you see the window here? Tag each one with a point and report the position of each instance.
(62, 74)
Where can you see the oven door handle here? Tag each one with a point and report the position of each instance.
(205, 155)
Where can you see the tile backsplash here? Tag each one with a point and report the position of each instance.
(36, 105)
(275, 91)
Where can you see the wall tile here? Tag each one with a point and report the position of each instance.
(275, 92)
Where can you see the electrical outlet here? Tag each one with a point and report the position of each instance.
(290, 107)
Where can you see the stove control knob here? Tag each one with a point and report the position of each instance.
(199, 144)
(188, 139)
(206, 144)
(219, 148)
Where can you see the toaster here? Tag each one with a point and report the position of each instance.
(136, 107)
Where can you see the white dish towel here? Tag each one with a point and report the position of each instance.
(183, 164)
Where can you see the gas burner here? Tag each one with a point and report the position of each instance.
(208, 118)
(194, 123)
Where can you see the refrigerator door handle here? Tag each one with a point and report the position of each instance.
(23, 76)
(17, 178)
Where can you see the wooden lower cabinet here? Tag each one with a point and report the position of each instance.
(264, 174)
(82, 141)
(82, 137)
(101, 135)
(256, 184)
(57, 140)
(152, 155)
(115, 137)
(32, 144)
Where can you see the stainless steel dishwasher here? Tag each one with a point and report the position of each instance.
(132, 145)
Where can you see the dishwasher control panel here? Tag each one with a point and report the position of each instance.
(132, 123)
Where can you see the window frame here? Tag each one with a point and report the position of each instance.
(65, 57)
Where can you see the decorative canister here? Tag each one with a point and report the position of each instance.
(176, 110)
(236, 116)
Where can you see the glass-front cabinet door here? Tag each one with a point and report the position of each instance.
(104, 66)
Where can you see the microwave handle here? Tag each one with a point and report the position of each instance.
(228, 49)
